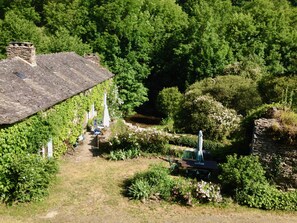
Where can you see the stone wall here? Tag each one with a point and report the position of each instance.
(279, 158)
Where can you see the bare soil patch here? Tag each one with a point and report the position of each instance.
(89, 188)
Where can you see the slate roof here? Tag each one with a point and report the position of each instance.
(26, 89)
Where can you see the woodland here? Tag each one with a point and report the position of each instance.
(153, 44)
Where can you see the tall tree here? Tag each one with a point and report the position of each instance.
(133, 32)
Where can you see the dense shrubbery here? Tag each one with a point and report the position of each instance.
(265, 196)
(25, 177)
(236, 92)
(146, 141)
(157, 183)
(239, 172)
(244, 178)
(206, 114)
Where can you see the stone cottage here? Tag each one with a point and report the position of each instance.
(30, 83)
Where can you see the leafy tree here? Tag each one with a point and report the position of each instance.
(62, 41)
(204, 51)
(130, 34)
(74, 16)
(277, 31)
(15, 27)
(169, 100)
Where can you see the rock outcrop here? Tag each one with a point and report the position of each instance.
(279, 158)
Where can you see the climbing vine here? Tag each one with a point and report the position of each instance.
(20, 143)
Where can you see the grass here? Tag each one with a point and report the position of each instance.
(90, 190)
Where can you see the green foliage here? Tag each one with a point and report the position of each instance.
(140, 190)
(236, 92)
(62, 41)
(239, 172)
(204, 113)
(25, 177)
(145, 141)
(279, 90)
(217, 150)
(155, 182)
(188, 191)
(264, 196)
(168, 101)
(124, 154)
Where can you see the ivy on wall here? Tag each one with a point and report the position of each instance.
(63, 122)
(20, 143)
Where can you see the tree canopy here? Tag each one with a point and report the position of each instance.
(152, 44)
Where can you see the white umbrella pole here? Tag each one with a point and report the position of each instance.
(200, 157)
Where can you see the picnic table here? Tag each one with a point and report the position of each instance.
(195, 165)
(191, 167)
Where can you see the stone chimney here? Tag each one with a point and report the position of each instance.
(24, 50)
(93, 57)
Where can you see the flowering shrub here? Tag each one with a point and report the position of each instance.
(147, 141)
(204, 113)
(190, 191)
